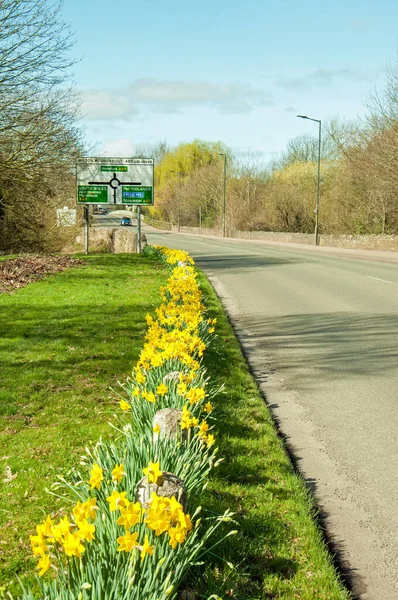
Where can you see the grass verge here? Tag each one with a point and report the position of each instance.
(279, 552)
(64, 341)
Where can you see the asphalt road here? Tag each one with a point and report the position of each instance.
(112, 219)
(321, 334)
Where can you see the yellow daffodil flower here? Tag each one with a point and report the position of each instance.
(182, 388)
(72, 545)
(43, 564)
(162, 389)
(203, 428)
(210, 440)
(149, 396)
(130, 515)
(117, 500)
(86, 530)
(118, 473)
(195, 395)
(153, 472)
(127, 542)
(146, 548)
(140, 377)
(96, 477)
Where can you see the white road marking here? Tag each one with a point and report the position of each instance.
(378, 279)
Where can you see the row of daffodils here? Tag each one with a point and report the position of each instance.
(134, 526)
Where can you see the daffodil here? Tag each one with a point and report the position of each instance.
(140, 377)
(72, 545)
(96, 477)
(118, 473)
(182, 388)
(127, 542)
(210, 440)
(130, 515)
(85, 510)
(61, 530)
(153, 472)
(117, 500)
(149, 396)
(195, 394)
(203, 428)
(162, 389)
(146, 548)
(43, 564)
(124, 405)
(86, 530)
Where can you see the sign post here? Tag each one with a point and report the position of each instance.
(139, 229)
(86, 227)
(117, 181)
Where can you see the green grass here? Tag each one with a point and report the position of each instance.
(279, 551)
(65, 341)
(69, 338)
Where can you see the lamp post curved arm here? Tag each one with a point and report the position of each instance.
(318, 181)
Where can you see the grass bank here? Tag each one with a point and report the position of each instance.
(279, 552)
(64, 342)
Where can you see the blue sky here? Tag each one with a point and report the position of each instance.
(233, 71)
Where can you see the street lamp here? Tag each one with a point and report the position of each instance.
(316, 211)
(225, 192)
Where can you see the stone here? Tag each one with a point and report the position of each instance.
(105, 239)
(172, 376)
(169, 421)
(188, 595)
(167, 486)
(124, 241)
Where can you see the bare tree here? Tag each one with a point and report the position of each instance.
(39, 137)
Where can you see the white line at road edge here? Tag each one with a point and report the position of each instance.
(378, 279)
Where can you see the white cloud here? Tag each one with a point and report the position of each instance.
(102, 104)
(120, 147)
(152, 95)
(326, 77)
(360, 25)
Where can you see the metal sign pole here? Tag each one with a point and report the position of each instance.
(86, 228)
(139, 229)
(200, 219)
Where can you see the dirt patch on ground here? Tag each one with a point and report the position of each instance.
(18, 272)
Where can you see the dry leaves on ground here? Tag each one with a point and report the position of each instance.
(18, 272)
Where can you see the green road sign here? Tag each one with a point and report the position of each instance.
(92, 193)
(137, 194)
(114, 169)
(114, 180)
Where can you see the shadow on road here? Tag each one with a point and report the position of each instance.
(235, 264)
(325, 346)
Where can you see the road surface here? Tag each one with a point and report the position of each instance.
(321, 334)
(112, 219)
